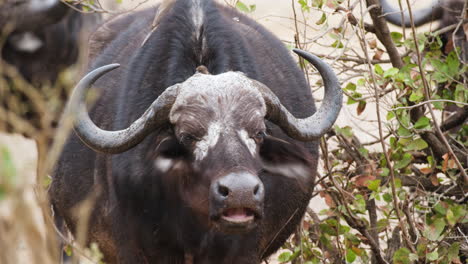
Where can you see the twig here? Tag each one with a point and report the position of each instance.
(427, 96)
(454, 35)
(428, 102)
(384, 35)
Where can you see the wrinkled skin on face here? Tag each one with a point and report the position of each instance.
(219, 130)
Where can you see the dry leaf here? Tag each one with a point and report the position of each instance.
(445, 162)
(362, 180)
(425, 170)
(372, 43)
(331, 4)
(378, 54)
(434, 180)
(452, 164)
(414, 75)
(328, 199)
(449, 46)
(361, 107)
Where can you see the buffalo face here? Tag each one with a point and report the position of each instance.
(219, 119)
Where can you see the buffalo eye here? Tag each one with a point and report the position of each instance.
(259, 136)
(188, 139)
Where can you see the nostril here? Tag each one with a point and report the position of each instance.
(257, 187)
(223, 190)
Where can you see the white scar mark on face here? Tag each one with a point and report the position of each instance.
(248, 141)
(41, 5)
(26, 42)
(208, 141)
(163, 164)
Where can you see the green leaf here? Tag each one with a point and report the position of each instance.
(458, 211)
(364, 152)
(403, 132)
(440, 208)
(453, 252)
(417, 144)
(304, 5)
(327, 229)
(432, 256)
(401, 256)
(439, 77)
(413, 257)
(374, 185)
(398, 183)
(404, 161)
(318, 3)
(285, 256)
(460, 94)
(390, 72)
(430, 160)
(351, 101)
(390, 115)
(244, 8)
(451, 219)
(423, 122)
(350, 87)
(385, 172)
(416, 96)
(452, 64)
(68, 250)
(382, 225)
(434, 230)
(337, 44)
(387, 197)
(361, 82)
(396, 37)
(360, 203)
(378, 69)
(346, 131)
(321, 20)
(350, 256)
(7, 171)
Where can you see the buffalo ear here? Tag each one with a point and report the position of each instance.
(287, 159)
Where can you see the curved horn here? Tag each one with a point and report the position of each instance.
(32, 14)
(121, 140)
(320, 122)
(420, 16)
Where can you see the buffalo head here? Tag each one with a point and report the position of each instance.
(30, 15)
(218, 136)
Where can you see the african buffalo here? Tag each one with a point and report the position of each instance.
(39, 39)
(201, 170)
(447, 12)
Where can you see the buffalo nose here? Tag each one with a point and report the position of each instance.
(239, 189)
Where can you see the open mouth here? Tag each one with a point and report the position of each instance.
(238, 215)
(236, 220)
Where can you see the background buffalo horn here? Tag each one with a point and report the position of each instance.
(31, 15)
(320, 122)
(420, 16)
(121, 140)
